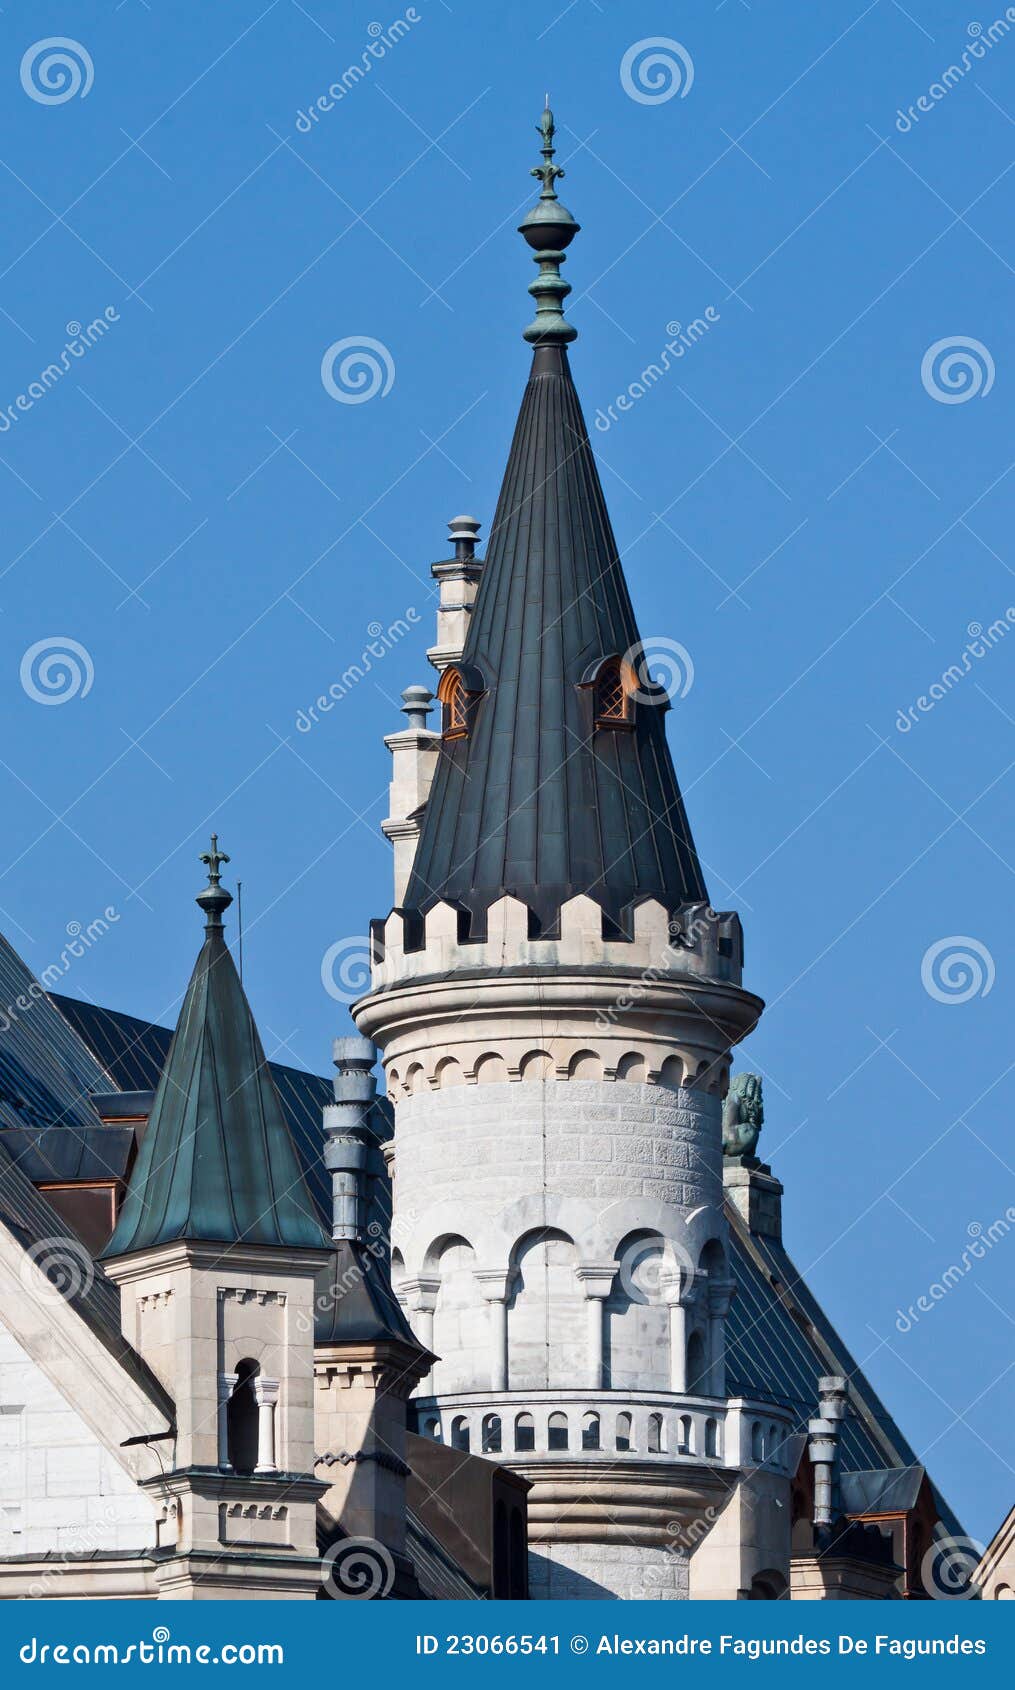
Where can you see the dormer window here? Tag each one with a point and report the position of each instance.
(453, 699)
(611, 696)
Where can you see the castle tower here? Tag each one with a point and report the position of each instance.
(215, 1252)
(556, 1002)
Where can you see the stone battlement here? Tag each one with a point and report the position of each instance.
(696, 944)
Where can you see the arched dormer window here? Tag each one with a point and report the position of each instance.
(454, 705)
(611, 685)
(459, 691)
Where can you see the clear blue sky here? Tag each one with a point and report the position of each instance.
(793, 505)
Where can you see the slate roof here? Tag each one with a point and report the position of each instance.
(532, 801)
(46, 1074)
(217, 1162)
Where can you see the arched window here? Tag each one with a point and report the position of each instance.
(460, 1432)
(623, 1432)
(590, 1431)
(241, 1419)
(711, 1438)
(491, 1434)
(432, 1428)
(757, 1442)
(557, 1432)
(610, 696)
(453, 699)
(655, 1434)
(525, 1433)
(686, 1435)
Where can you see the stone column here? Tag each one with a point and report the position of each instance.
(597, 1280)
(420, 1296)
(266, 1397)
(495, 1285)
(226, 1386)
(720, 1295)
(679, 1300)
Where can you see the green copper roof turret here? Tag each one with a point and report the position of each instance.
(549, 228)
(217, 1163)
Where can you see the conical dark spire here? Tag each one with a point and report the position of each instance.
(217, 1164)
(536, 799)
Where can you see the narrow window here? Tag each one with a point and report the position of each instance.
(525, 1433)
(557, 1432)
(623, 1433)
(491, 1434)
(241, 1419)
(590, 1431)
(460, 1432)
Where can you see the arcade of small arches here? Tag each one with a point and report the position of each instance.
(646, 1066)
(647, 1319)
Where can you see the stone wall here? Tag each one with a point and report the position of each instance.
(575, 1572)
(59, 1487)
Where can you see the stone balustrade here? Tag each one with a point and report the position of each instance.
(602, 1425)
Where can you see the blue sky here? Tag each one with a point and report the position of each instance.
(795, 503)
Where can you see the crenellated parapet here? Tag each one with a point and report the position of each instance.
(697, 943)
(661, 1007)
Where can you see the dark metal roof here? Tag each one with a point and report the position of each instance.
(887, 1492)
(354, 1302)
(534, 801)
(217, 1162)
(72, 1154)
(46, 1074)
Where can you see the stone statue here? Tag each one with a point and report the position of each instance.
(742, 1116)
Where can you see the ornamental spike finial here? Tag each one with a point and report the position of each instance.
(549, 228)
(214, 899)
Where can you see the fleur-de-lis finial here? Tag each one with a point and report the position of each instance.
(547, 171)
(549, 229)
(213, 858)
(214, 899)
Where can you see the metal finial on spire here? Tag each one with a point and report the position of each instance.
(547, 171)
(214, 899)
(549, 228)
